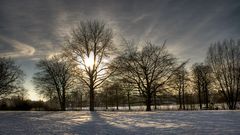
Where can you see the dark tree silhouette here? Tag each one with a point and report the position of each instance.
(113, 93)
(128, 89)
(148, 68)
(76, 98)
(90, 46)
(55, 78)
(180, 82)
(11, 77)
(224, 60)
(202, 83)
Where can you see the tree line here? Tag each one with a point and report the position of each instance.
(92, 71)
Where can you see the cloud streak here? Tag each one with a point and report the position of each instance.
(19, 49)
(188, 25)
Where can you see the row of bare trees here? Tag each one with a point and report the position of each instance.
(89, 63)
(148, 70)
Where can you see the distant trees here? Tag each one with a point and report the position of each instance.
(76, 97)
(113, 93)
(224, 61)
(202, 83)
(90, 45)
(11, 77)
(180, 82)
(128, 89)
(19, 103)
(55, 78)
(148, 68)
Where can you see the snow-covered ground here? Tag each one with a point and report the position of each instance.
(120, 123)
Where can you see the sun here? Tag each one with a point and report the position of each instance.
(32, 95)
(89, 60)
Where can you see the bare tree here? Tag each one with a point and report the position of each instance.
(180, 82)
(202, 82)
(114, 92)
(148, 68)
(106, 91)
(116, 88)
(90, 45)
(76, 98)
(54, 78)
(128, 89)
(11, 77)
(224, 60)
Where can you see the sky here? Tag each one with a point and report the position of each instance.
(34, 29)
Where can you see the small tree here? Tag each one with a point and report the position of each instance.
(11, 77)
(55, 78)
(128, 89)
(180, 81)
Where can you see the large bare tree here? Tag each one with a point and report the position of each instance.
(55, 78)
(224, 60)
(90, 45)
(11, 77)
(148, 68)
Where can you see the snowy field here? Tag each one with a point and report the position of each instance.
(120, 123)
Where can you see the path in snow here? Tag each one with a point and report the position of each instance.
(120, 123)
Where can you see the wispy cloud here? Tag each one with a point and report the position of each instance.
(18, 49)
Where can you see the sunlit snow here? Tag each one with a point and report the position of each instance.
(120, 123)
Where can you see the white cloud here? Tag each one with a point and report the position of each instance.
(20, 49)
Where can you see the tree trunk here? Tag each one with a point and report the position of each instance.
(63, 107)
(231, 104)
(117, 102)
(148, 101)
(63, 101)
(206, 97)
(91, 94)
(128, 99)
(155, 100)
(183, 98)
(199, 98)
(148, 104)
(81, 102)
(180, 99)
(106, 103)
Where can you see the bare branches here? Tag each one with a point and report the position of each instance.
(11, 77)
(224, 60)
(91, 40)
(55, 76)
(148, 68)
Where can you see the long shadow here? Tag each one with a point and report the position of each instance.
(99, 126)
(19, 122)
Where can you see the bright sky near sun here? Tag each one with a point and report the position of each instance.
(30, 30)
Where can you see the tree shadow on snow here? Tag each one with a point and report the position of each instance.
(99, 126)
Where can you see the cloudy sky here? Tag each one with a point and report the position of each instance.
(32, 29)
